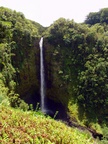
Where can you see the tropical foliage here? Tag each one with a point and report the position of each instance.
(77, 71)
(81, 52)
(97, 17)
(16, 36)
(33, 128)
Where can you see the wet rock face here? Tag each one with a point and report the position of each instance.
(28, 71)
(56, 89)
(28, 78)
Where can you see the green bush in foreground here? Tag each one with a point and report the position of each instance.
(21, 127)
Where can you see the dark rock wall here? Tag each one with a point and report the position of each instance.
(29, 76)
(28, 81)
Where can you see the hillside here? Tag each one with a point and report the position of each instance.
(31, 128)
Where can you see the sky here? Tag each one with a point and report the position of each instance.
(46, 12)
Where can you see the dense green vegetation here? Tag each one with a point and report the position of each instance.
(80, 55)
(76, 57)
(17, 36)
(82, 52)
(97, 17)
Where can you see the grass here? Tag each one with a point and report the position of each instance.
(28, 127)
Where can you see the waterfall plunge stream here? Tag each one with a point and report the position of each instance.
(42, 77)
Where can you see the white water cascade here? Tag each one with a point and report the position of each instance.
(42, 77)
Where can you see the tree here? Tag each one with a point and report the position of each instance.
(93, 18)
(93, 81)
(97, 17)
(104, 15)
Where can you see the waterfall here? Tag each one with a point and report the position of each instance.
(42, 77)
(44, 107)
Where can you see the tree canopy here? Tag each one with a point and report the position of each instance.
(83, 51)
(97, 17)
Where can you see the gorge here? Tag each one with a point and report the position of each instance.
(75, 66)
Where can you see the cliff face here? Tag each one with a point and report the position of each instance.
(28, 77)
(57, 87)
